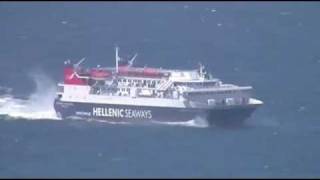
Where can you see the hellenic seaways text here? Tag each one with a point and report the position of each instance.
(121, 113)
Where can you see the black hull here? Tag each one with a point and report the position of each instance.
(224, 116)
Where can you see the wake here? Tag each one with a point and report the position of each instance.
(38, 105)
(197, 122)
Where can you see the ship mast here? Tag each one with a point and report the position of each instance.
(117, 58)
(201, 71)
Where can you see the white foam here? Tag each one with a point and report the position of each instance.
(39, 105)
(77, 118)
(213, 10)
(196, 122)
(64, 22)
(109, 122)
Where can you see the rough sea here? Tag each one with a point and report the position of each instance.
(272, 46)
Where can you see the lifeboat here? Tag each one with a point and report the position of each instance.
(143, 72)
(100, 74)
(151, 72)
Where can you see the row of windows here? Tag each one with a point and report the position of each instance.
(197, 83)
(139, 81)
(215, 92)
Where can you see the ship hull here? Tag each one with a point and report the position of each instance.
(223, 116)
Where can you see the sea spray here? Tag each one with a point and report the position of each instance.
(38, 105)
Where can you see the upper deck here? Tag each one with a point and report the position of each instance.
(194, 85)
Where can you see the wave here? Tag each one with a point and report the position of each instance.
(38, 105)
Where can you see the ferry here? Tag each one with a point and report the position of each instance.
(126, 93)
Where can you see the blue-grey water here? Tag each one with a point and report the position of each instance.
(272, 46)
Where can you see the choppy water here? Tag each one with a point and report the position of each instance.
(272, 46)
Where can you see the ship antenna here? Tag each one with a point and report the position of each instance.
(78, 63)
(131, 61)
(201, 69)
(117, 58)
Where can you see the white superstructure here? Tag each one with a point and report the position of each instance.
(127, 85)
